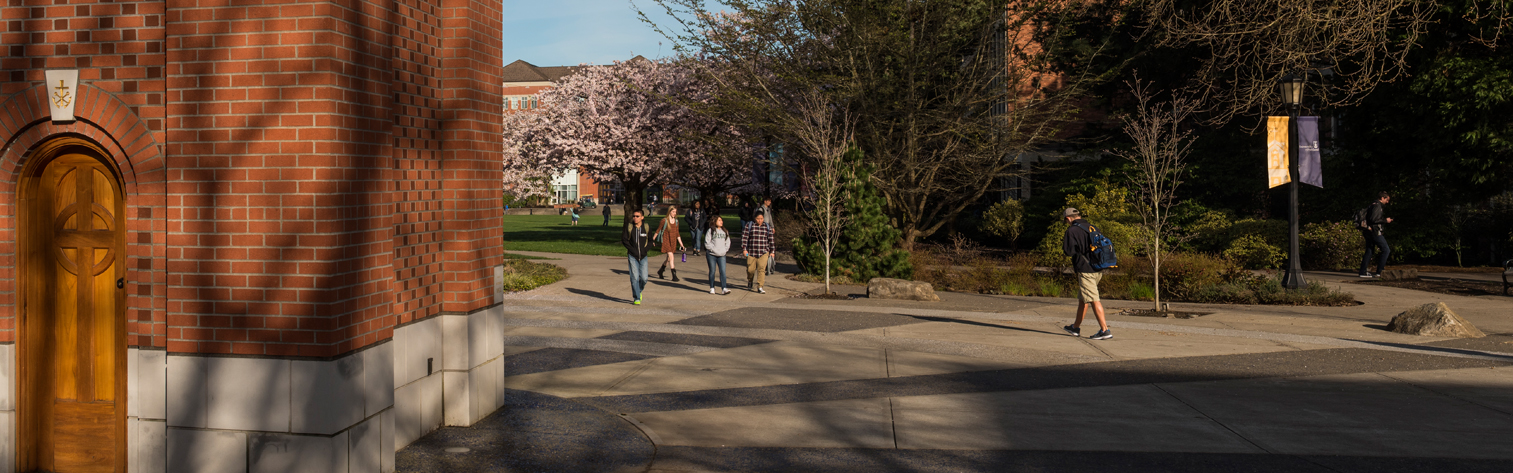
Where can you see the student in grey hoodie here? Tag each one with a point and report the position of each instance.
(716, 244)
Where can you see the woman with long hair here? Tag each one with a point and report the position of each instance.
(672, 241)
(716, 244)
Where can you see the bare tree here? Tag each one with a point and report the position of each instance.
(947, 93)
(823, 132)
(1160, 146)
(1248, 45)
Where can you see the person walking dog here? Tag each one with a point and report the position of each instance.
(756, 246)
(637, 243)
(1371, 231)
(716, 244)
(672, 241)
(1077, 243)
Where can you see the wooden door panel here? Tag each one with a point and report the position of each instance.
(75, 328)
(85, 433)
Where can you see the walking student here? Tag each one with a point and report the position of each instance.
(1376, 218)
(672, 241)
(1078, 244)
(696, 226)
(756, 246)
(607, 211)
(637, 243)
(772, 224)
(716, 244)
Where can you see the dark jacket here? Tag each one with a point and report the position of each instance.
(1077, 245)
(747, 213)
(1376, 217)
(637, 243)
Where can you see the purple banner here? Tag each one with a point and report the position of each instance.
(1309, 170)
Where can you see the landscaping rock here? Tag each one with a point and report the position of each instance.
(1433, 320)
(1399, 274)
(884, 288)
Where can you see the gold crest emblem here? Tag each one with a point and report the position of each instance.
(61, 96)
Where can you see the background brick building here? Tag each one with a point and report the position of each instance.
(310, 201)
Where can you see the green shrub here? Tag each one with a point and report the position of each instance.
(1209, 231)
(1183, 275)
(1004, 220)
(1268, 290)
(868, 248)
(1330, 245)
(1140, 291)
(524, 275)
(1253, 252)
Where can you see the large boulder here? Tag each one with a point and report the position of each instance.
(885, 288)
(1433, 320)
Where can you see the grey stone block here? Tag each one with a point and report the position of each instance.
(149, 446)
(387, 445)
(363, 456)
(7, 442)
(283, 453)
(326, 396)
(207, 451)
(186, 388)
(247, 394)
(152, 368)
(7, 377)
(378, 378)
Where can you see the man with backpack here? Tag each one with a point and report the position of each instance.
(1079, 245)
(1370, 221)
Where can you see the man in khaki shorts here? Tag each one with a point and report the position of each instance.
(1078, 245)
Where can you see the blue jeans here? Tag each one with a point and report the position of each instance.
(698, 238)
(1374, 241)
(713, 261)
(637, 276)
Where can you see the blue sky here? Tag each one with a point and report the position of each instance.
(570, 32)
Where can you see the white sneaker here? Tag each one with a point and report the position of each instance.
(761, 291)
(727, 291)
(711, 290)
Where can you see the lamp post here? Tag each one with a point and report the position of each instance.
(1292, 95)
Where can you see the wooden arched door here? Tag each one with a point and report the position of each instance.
(73, 350)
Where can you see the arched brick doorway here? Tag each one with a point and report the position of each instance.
(72, 340)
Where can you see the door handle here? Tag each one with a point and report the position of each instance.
(120, 283)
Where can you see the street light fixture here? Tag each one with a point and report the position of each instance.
(1292, 95)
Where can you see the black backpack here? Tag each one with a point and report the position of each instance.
(1360, 218)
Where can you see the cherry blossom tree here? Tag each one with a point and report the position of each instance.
(635, 122)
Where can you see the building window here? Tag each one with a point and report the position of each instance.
(565, 194)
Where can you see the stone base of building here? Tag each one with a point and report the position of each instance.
(254, 415)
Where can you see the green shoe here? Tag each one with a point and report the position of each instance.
(636, 302)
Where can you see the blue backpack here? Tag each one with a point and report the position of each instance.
(1101, 250)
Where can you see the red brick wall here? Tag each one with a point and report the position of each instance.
(418, 235)
(471, 162)
(285, 161)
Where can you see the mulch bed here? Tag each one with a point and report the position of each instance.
(1459, 287)
(1169, 314)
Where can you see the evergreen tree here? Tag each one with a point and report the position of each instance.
(868, 248)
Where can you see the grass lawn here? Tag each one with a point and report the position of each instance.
(556, 234)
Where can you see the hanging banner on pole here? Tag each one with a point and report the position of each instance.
(1309, 170)
(1276, 152)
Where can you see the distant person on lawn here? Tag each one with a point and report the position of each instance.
(756, 246)
(607, 211)
(574, 210)
(1078, 245)
(637, 240)
(1376, 218)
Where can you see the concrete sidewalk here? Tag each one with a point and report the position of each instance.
(751, 382)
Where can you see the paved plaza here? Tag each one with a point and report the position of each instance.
(693, 382)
